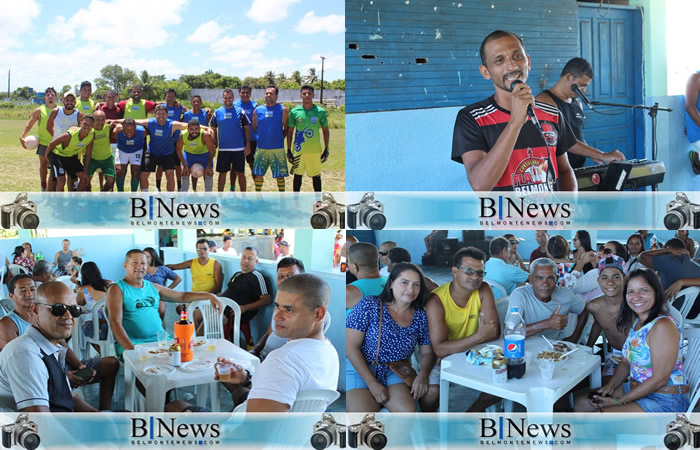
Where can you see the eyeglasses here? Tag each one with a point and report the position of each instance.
(576, 238)
(514, 242)
(59, 309)
(383, 253)
(471, 272)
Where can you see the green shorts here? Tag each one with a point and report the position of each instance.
(274, 159)
(105, 165)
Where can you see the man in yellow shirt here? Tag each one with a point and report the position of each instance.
(462, 312)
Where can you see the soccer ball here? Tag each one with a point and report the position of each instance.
(197, 170)
(31, 142)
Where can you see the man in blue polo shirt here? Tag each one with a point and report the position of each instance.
(232, 138)
(500, 270)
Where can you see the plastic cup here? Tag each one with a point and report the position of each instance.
(224, 371)
(547, 370)
(142, 352)
(162, 338)
(528, 359)
(211, 345)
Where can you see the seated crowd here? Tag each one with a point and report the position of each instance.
(39, 370)
(400, 325)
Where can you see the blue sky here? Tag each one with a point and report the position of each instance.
(53, 43)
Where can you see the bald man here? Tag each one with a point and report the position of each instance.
(363, 262)
(349, 242)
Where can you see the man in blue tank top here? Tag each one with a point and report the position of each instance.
(232, 137)
(270, 124)
(692, 118)
(248, 106)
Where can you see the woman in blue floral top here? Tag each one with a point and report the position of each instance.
(653, 354)
(369, 381)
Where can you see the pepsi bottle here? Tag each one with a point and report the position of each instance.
(514, 343)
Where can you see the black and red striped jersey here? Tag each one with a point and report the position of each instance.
(533, 164)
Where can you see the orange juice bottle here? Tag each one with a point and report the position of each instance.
(184, 331)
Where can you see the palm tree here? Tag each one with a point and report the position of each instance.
(311, 78)
(281, 78)
(270, 77)
(147, 88)
(297, 78)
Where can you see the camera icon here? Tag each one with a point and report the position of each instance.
(21, 213)
(22, 433)
(681, 432)
(368, 213)
(327, 213)
(681, 213)
(328, 432)
(369, 432)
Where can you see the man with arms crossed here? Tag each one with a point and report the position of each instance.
(233, 139)
(500, 147)
(270, 124)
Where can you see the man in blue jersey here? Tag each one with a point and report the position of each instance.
(233, 139)
(130, 141)
(175, 112)
(248, 106)
(203, 115)
(161, 146)
(270, 124)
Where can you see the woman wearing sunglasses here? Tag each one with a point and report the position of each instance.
(385, 329)
(653, 355)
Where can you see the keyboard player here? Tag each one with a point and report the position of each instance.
(576, 72)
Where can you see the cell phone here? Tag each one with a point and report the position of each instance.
(85, 373)
(343, 266)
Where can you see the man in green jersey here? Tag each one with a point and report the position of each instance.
(64, 150)
(101, 157)
(194, 146)
(308, 120)
(41, 115)
(85, 104)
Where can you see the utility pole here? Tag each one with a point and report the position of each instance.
(323, 59)
(8, 84)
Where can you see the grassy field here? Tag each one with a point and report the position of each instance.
(19, 168)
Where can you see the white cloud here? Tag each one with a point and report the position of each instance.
(311, 23)
(15, 20)
(64, 30)
(206, 33)
(242, 43)
(268, 11)
(137, 23)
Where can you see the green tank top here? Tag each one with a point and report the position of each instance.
(194, 147)
(85, 107)
(135, 110)
(75, 145)
(101, 149)
(45, 137)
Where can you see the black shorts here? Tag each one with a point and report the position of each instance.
(176, 160)
(151, 162)
(62, 165)
(41, 150)
(225, 160)
(253, 146)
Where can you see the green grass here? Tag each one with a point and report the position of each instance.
(19, 168)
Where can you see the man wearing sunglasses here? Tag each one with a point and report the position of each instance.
(33, 367)
(384, 262)
(132, 304)
(545, 306)
(462, 312)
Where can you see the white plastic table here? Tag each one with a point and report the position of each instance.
(537, 395)
(157, 385)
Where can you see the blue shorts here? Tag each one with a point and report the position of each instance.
(353, 380)
(104, 327)
(658, 402)
(202, 158)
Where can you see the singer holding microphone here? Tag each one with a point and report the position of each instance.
(509, 142)
(564, 95)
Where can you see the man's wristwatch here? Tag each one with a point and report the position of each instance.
(248, 381)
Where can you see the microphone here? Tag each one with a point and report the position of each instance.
(581, 95)
(530, 111)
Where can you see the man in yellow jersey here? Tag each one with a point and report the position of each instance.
(461, 314)
(64, 150)
(101, 158)
(207, 274)
(85, 104)
(192, 147)
(41, 115)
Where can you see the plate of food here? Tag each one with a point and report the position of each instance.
(552, 355)
(158, 351)
(562, 346)
(159, 369)
(197, 366)
(200, 343)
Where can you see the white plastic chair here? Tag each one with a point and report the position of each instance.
(107, 346)
(214, 321)
(673, 312)
(3, 290)
(16, 269)
(496, 285)
(684, 302)
(692, 365)
(315, 400)
(65, 279)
